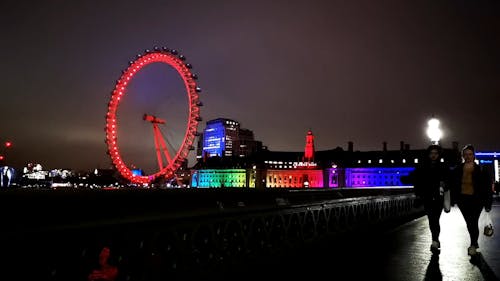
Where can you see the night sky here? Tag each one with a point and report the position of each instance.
(361, 71)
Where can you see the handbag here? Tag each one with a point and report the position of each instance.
(447, 201)
(488, 228)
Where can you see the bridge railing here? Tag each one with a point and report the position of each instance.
(185, 234)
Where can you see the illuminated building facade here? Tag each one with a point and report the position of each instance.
(334, 168)
(491, 161)
(225, 138)
(222, 178)
(294, 178)
(7, 175)
(293, 169)
(376, 176)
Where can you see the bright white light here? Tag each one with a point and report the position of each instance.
(433, 130)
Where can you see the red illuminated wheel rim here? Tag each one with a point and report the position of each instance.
(176, 158)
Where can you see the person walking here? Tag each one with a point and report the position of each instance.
(471, 191)
(430, 182)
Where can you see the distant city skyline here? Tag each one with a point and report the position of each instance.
(362, 71)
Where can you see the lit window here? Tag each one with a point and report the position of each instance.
(416, 160)
(380, 161)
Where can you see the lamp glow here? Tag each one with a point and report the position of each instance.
(433, 131)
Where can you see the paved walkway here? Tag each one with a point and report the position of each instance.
(401, 254)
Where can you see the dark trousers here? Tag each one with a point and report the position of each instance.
(471, 208)
(433, 209)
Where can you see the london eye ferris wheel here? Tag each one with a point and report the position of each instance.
(168, 158)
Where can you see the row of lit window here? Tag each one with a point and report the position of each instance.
(380, 161)
(284, 185)
(287, 185)
(290, 179)
(221, 176)
(281, 167)
(375, 176)
(376, 183)
(281, 163)
(225, 181)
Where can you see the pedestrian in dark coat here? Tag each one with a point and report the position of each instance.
(430, 182)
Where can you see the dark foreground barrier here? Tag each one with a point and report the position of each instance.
(180, 234)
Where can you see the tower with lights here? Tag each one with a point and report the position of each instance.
(309, 148)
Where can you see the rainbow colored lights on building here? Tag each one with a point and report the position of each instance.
(221, 178)
(335, 168)
(294, 178)
(377, 176)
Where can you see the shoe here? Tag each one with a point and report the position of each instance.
(472, 250)
(435, 246)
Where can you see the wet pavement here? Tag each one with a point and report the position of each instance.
(400, 253)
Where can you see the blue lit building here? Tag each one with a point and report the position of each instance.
(225, 138)
(214, 138)
(376, 176)
(490, 159)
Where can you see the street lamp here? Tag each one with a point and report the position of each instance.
(433, 131)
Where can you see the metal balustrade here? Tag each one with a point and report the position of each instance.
(207, 242)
